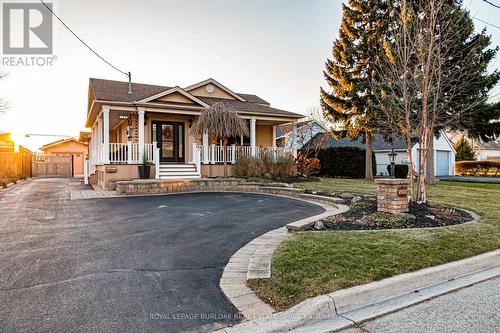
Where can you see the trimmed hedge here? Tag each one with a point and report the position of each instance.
(344, 162)
(400, 170)
(473, 168)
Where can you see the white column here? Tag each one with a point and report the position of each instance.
(140, 128)
(99, 140)
(233, 154)
(252, 135)
(105, 116)
(129, 152)
(294, 139)
(274, 143)
(205, 147)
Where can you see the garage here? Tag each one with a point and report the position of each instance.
(442, 163)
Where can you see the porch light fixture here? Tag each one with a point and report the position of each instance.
(123, 117)
(392, 157)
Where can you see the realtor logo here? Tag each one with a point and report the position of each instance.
(27, 28)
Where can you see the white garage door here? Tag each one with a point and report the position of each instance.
(442, 163)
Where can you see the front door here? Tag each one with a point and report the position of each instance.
(170, 139)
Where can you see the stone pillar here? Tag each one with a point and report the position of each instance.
(392, 195)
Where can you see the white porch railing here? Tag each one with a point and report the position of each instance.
(129, 153)
(123, 153)
(215, 153)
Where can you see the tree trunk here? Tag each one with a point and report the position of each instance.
(430, 175)
(421, 190)
(368, 158)
(411, 169)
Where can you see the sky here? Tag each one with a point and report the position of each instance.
(275, 49)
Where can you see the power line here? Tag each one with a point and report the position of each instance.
(86, 45)
(485, 22)
(491, 3)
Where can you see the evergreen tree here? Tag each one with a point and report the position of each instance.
(464, 150)
(350, 72)
(483, 123)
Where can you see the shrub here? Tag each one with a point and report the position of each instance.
(400, 170)
(478, 168)
(307, 166)
(283, 167)
(344, 162)
(248, 166)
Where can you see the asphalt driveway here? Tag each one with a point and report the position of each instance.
(140, 264)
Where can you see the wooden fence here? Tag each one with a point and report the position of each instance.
(15, 165)
(52, 166)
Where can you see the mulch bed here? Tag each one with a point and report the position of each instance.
(363, 215)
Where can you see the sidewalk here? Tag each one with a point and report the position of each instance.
(473, 309)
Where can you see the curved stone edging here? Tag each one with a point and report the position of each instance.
(253, 261)
(338, 303)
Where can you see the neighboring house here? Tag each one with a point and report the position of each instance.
(487, 150)
(306, 130)
(155, 121)
(482, 150)
(6, 143)
(69, 147)
(444, 153)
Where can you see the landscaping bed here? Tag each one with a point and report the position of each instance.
(363, 215)
(308, 264)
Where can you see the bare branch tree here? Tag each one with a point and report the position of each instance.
(418, 86)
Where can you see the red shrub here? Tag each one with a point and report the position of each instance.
(307, 166)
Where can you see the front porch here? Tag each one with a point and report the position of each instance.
(166, 143)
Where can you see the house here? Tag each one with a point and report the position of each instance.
(133, 121)
(306, 130)
(487, 150)
(6, 143)
(69, 147)
(444, 153)
(483, 150)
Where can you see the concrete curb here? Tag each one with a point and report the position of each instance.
(253, 261)
(348, 300)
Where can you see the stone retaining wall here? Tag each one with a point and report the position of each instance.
(150, 186)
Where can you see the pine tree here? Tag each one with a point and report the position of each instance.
(351, 71)
(464, 150)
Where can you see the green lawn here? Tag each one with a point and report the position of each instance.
(314, 263)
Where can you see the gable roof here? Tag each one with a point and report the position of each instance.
(171, 91)
(117, 91)
(215, 83)
(247, 107)
(379, 143)
(61, 141)
(285, 129)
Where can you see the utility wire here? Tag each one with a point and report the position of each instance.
(485, 22)
(491, 3)
(86, 45)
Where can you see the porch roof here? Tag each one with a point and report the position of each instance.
(109, 91)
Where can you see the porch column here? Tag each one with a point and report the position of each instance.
(274, 143)
(294, 139)
(105, 115)
(99, 140)
(252, 136)
(205, 147)
(140, 128)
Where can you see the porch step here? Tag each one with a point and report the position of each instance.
(178, 171)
